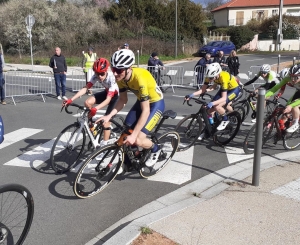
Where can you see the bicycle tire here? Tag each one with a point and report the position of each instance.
(165, 80)
(189, 129)
(62, 156)
(169, 143)
(250, 140)
(240, 109)
(89, 181)
(231, 129)
(291, 141)
(16, 207)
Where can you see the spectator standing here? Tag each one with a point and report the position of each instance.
(200, 68)
(2, 81)
(59, 66)
(155, 65)
(87, 65)
(233, 63)
(221, 59)
(126, 46)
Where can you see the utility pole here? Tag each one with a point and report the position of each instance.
(279, 32)
(29, 23)
(176, 29)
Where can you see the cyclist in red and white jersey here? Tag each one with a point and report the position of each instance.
(107, 97)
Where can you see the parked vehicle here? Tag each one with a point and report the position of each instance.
(214, 47)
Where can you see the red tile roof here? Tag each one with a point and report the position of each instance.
(255, 3)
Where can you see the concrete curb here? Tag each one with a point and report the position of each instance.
(128, 228)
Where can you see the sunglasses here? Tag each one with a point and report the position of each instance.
(263, 72)
(294, 77)
(116, 70)
(102, 74)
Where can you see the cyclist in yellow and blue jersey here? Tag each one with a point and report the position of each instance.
(292, 79)
(148, 108)
(229, 91)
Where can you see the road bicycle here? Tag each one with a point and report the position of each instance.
(193, 125)
(164, 81)
(16, 213)
(102, 166)
(272, 130)
(70, 143)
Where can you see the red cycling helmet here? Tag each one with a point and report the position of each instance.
(101, 65)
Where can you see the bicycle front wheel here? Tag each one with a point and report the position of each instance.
(291, 141)
(250, 140)
(168, 143)
(98, 171)
(189, 129)
(67, 148)
(223, 137)
(240, 109)
(16, 214)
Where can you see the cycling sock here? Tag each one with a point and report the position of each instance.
(296, 121)
(154, 148)
(224, 117)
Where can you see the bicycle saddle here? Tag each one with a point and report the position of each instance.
(169, 113)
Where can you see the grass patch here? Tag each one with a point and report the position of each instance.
(146, 230)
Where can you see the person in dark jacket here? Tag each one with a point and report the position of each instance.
(59, 66)
(155, 65)
(2, 91)
(221, 59)
(233, 63)
(200, 68)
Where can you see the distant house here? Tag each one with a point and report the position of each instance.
(239, 12)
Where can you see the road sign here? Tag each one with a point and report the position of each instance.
(29, 21)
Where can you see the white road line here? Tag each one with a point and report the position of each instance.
(179, 170)
(33, 158)
(235, 154)
(18, 135)
(255, 59)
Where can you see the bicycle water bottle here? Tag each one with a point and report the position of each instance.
(210, 119)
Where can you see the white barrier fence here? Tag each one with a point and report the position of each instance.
(27, 83)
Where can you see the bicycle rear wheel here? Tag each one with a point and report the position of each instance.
(250, 140)
(168, 143)
(291, 141)
(16, 213)
(67, 148)
(240, 109)
(189, 129)
(98, 171)
(223, 137)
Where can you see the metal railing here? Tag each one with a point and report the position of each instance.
(27, 83)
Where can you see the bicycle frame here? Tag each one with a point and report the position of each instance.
(135, 159)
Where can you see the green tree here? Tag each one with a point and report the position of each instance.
(240, 35)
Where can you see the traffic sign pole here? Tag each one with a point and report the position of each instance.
(29, 23)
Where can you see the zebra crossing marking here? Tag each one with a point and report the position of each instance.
(18, 135)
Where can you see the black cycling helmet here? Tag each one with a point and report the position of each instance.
(295, 70)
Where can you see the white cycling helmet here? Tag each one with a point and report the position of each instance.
(265, 68)
(122, 59)
(284, 72)
(213, 70)
(295, 70)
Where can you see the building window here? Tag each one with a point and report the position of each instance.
(274, 12)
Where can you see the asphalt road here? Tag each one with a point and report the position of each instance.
(60, 217)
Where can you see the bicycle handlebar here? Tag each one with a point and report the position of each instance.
(75, 105)
(198, 101)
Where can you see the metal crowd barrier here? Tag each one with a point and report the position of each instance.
(175, 73)
(77, 78)
(26, 83)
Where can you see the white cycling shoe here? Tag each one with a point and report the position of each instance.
(153, 158)
(293, 128)
(222, 125)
